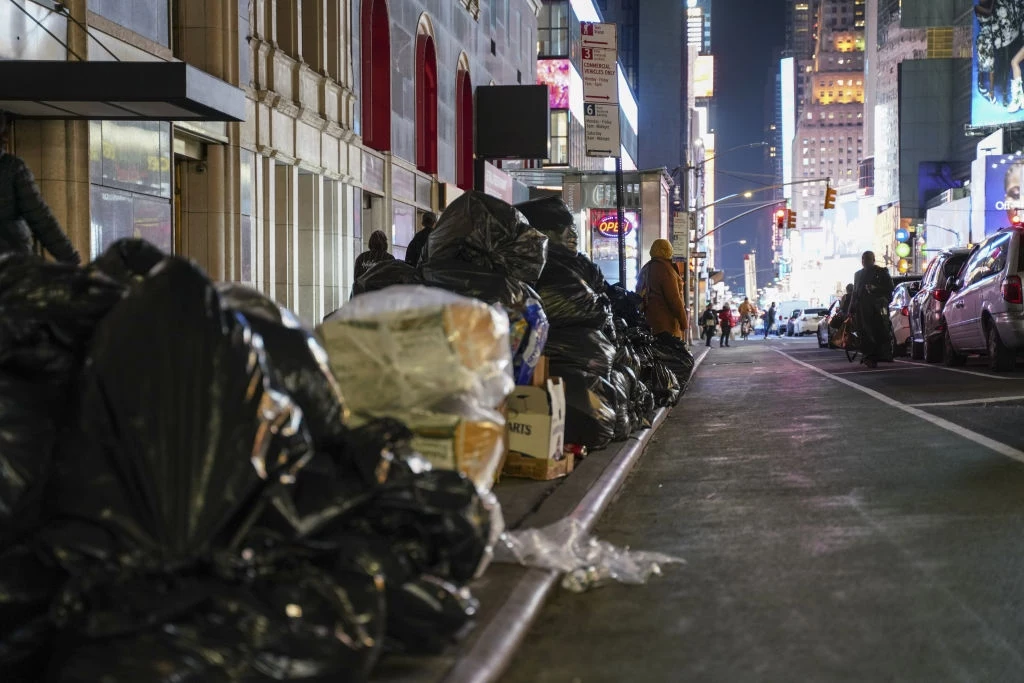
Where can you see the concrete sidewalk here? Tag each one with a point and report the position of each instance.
(511, 596)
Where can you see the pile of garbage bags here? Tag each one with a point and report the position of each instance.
(185, 496)
(525, 258)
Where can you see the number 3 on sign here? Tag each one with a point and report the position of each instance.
(590, 110)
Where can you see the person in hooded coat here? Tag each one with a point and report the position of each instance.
(662, 290)
(377, 253)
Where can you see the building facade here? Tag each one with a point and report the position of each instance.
(358, 115)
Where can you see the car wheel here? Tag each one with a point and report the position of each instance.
(950, 357)
(933, 350)
(1000, 358)
(822, 344)
(916, 350)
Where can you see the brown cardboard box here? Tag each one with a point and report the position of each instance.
(536, 432)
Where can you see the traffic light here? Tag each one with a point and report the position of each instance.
(780, 219)
(791, 219)
(903, 249)
(830, 197)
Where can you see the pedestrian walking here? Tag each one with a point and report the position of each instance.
(869, 306)
(377, 253)
(415, 252)
(725, 319)
(747, 311)
(769, 320)
(662, 290)
(23, 212)
(708, 323)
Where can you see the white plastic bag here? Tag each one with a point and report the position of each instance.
(586, 562)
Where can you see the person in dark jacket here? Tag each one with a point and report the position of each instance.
(23, 212)
(769, 320)
(377, 253)
(415, 251)
(708, 323)
(869, 306)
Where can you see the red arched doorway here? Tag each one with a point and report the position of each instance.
(464, 129)
(376, 86)
(426, 104)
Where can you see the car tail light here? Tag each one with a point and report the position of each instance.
(941, 295)
(1013, 292)
(905, 311)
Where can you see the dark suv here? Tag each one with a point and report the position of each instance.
(927, 326)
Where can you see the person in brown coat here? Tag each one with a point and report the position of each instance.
(662, 290)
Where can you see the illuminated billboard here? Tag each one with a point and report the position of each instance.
(996, 97)
(704, 76)
(1003, 203)
(554, 73)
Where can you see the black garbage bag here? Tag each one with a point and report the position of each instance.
(27, 584)
(673, 352)
(178, 434)
(627, 305)
(643, 404)
(590, 417)
(385, 274)
(551, 215)
(623, 421)
(582, 349)
(295, 624)
(663, 384)
(427, 614)
(30, 416)
(48, 313)
(128, 260)
(298, 361)
(476, 281)
(626, 357)
(489, 233)
(568, 298)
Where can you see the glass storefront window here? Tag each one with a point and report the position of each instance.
(558, 146)
(604, 244)
(404, 227)
(131, 155)
(119, 215)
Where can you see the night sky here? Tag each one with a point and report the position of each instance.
(746, 37)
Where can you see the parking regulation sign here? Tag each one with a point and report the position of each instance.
(601, 123)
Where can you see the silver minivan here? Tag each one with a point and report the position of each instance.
(986, 312)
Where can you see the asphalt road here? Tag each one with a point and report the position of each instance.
(838, 523)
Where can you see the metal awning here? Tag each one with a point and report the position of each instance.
(151, 91)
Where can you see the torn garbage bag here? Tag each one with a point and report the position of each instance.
(177, 435)
(585, 561)
(485, 231)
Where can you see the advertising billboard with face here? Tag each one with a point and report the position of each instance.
(1004, 206)
(997, 96)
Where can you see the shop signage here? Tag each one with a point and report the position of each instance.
(601, 125)
(497, 183)
(600, 77)
(608, 225)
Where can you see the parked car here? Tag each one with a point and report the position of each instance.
(899, 313)
(790, 322)
(824, 330)
(927, 326)
(807, 321)
(985, 314)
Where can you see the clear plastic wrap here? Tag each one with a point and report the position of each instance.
(585, 561)
(410, 348)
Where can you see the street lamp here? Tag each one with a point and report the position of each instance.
(955, 234)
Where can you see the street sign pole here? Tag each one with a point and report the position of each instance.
(621, 218)
(603, 138)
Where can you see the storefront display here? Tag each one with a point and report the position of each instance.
(604, 244)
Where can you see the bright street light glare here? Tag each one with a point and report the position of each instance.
(748, 194)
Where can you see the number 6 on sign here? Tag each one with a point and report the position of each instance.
(590, 109)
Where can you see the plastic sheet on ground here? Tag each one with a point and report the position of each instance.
(412, 348)
(585, 561)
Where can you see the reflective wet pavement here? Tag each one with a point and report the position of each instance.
(834, 530)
